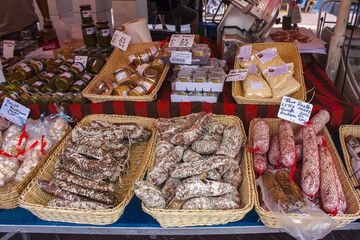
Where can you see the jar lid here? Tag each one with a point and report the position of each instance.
(150, 80)
(141, 86)
(102, 22)
(151, 73)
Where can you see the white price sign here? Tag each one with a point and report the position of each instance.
(181, 57)
(120, 40)
(294, 110)
(81, 59)
(8, 50)
(182, 40)
(14, 112)
(2, 78)
(237, 75)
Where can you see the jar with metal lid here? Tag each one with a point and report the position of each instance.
(142, 68)
(89, 34)
(10, 79)
(44, 99)
(151, 73)
(37, 86)
(123, 90)
(33, 99)
(134, 56)
(24, 73)
(22, 98)
(158, 65)
(56, 98)
(199, 77)
(159, 54)
(79, 99)
(135, 78)
(58, 62)
(85, 12)
(77, 69)
(154, 49)
(97, 65)
(198, 52)
(51, 67)
(185, 76)
(169, 50)
(78, 86)
(22, 88)
(64, 81)
(38, 66)
(215, 77)
(49, 75)
(20, 65)
(87, 77)
(70, 61)
(122, 75)
(42, 75)
(32, 80)
(89, 63)
(67, 99)
(12, 95)
(145, 56)
(148, 83)
(105, 86)
(139, 90)
(103, 33)
(49, 87)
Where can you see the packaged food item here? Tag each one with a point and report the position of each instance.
(255, 86)
(89, 33)
(85, 12)
(103, 33)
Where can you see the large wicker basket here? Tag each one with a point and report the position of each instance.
(352, 198)
(35, 200)
(9, 197)
(117, 60)
(183, 218)
(289, 52)
(344, 131)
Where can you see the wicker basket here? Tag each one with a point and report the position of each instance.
(344, 131)
(117, 60)
(35, 200)
(289, 52)
(352, 198)
(9, 197)
(183, 218)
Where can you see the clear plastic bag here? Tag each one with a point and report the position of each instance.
(305, 223)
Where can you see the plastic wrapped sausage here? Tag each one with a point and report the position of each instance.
(274, 151)
(287, 144)
(319, 120)
(261, 136)
(260, 163)
(149, 194)
(343, 205)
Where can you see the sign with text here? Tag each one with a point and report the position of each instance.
(294, 110)
(181, 57)
(120, 40)
(8, 50)
(2, 78)
(236, 75)
(181, 40)
(14, 112)
(81, 59)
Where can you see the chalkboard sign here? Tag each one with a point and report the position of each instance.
(14, 112)
(294, 110)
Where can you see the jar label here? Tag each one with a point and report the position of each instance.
(104, 32)
(90, 31)
(124, 93)
(22, 65)
(160, 61)
(50, 75)
(79, 83)
(27, 69)
(13, 95)
(70, 60)
(94, 62)
(40, 65)
(78, 66)
(132, 57)
(120, 76)
(86, 13)
(64, 67)
(66, 74)
(38, 83)
(146, 85)
(24, 88)
(139, 89)
(58, 61)
(141, 68)
(86, 77)
(153, 50)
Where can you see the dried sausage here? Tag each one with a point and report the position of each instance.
(274, 151)
(260, 163)
(149, 194)
(232, 141)
(58, 202)
(287, 144)
(261, 136)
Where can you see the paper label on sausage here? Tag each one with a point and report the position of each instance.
(294, 110)
(245, 53)
(265, 55)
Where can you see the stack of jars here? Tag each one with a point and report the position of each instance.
(138, 78)
(101, 35)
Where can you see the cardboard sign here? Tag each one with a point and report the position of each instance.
(120, 40)
(9, 46)
(237, 75)
(294, 110)
(182, 40)
(14, 111)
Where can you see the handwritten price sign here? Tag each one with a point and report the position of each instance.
(182, 40)
(9, 46)
(294, 110)
(14, 112)
(120, 40)
(81, 59)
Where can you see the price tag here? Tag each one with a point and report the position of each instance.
(182, 40)
(120, 40)
(294, 110)
(274, 71)
(265, 55)
(245, 53)
(2, 77)
(181, 57)
(81, 59)
(8, 50)
(14, 112)
(236, 75)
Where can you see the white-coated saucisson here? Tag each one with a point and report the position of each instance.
(287, 144)
(261, 136)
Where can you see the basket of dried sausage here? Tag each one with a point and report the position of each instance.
(89, 177)
(279, 144)
(349, 138)
(129, 75)
(266, 85)
(200, 175)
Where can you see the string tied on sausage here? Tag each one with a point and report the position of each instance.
(293, 168)
(252, 150)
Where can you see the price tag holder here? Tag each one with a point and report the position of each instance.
(294, 110)
(2, 77)
(182, 40)
(82, 60)
(236, 75)
(120, 40)
(181, 57)
(9, 46)
(245, 53)
(14, 112)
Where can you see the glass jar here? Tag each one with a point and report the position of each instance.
(142, 68)
(14, 94)
(169, 50)
(23, 98)
(139, 90)
(49, 75)
(23, 88)
(153, 50)
(77, 69)
(158, 65)
(135, 79)
(148, 83)
(67, 99)
(198, 52)
(89, 34)
(85, 12)
(62, 68)
(199, 77)
(33, 99)
(64, 81)
(215, 77)
(87, 77)
(151, 73)
(49, 87)
(37, 86)
(105, 86)
(145, 56)
(159, 54)
(38, 66)
(103, 34)
(70, 61)
(20, 65)
(32, 80)
(24, 73)
(122, 76)
(3, 85)
(79, 99)
(133, 56)
(78, 86)
(44, 99)
(97, 65)
(122, 90)
(184, 76)
(56, 98)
